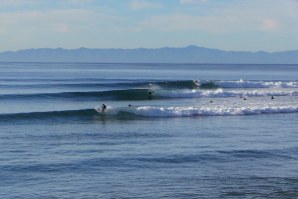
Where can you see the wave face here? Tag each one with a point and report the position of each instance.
(129, 94)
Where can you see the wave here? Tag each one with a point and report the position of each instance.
(74, 85)
(166, 89)
(167, 84)
(150, 94)
(128, 94)
(222, 93)
(107, 91)
(215, 84)
(178, 84)
(150, 111)
(87, 113)
(139, 112)
(256, 84)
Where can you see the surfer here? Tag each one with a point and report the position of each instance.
(150, 95)
(103, 107)
(272, 97)
(129, 105)
(197, 83)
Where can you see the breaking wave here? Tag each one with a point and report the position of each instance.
(150, 111)
(257, 84)
(152, 93)
(222, 93)
(147, 111)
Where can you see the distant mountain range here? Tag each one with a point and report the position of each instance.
(189, 54)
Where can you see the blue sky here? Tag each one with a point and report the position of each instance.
(248, 25)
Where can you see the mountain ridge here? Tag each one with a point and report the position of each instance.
(188, 54)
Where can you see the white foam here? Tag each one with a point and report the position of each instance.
(209, 111)
(256, 84)
(224, 93)
(218, 110)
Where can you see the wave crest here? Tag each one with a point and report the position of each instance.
(150, 111)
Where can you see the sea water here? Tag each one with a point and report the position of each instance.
(169, 130)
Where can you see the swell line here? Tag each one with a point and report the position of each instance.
(129, 94)
(168, 89)
(49, 115)
(150, 94)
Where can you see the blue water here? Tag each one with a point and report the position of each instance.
(221, 136)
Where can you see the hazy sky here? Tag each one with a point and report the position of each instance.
(270, 25)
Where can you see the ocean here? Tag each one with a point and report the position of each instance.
(169, 130)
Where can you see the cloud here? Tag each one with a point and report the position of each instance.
(139, 5)
(46, 22)
(185, 22)
(69, 28)
(59, 20)
(184, 2)
(248, 16)
(78, 1)
(17, 3)
(61, 28)
(270, 24)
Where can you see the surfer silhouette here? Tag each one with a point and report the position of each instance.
(150, 95)
(103, 107)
